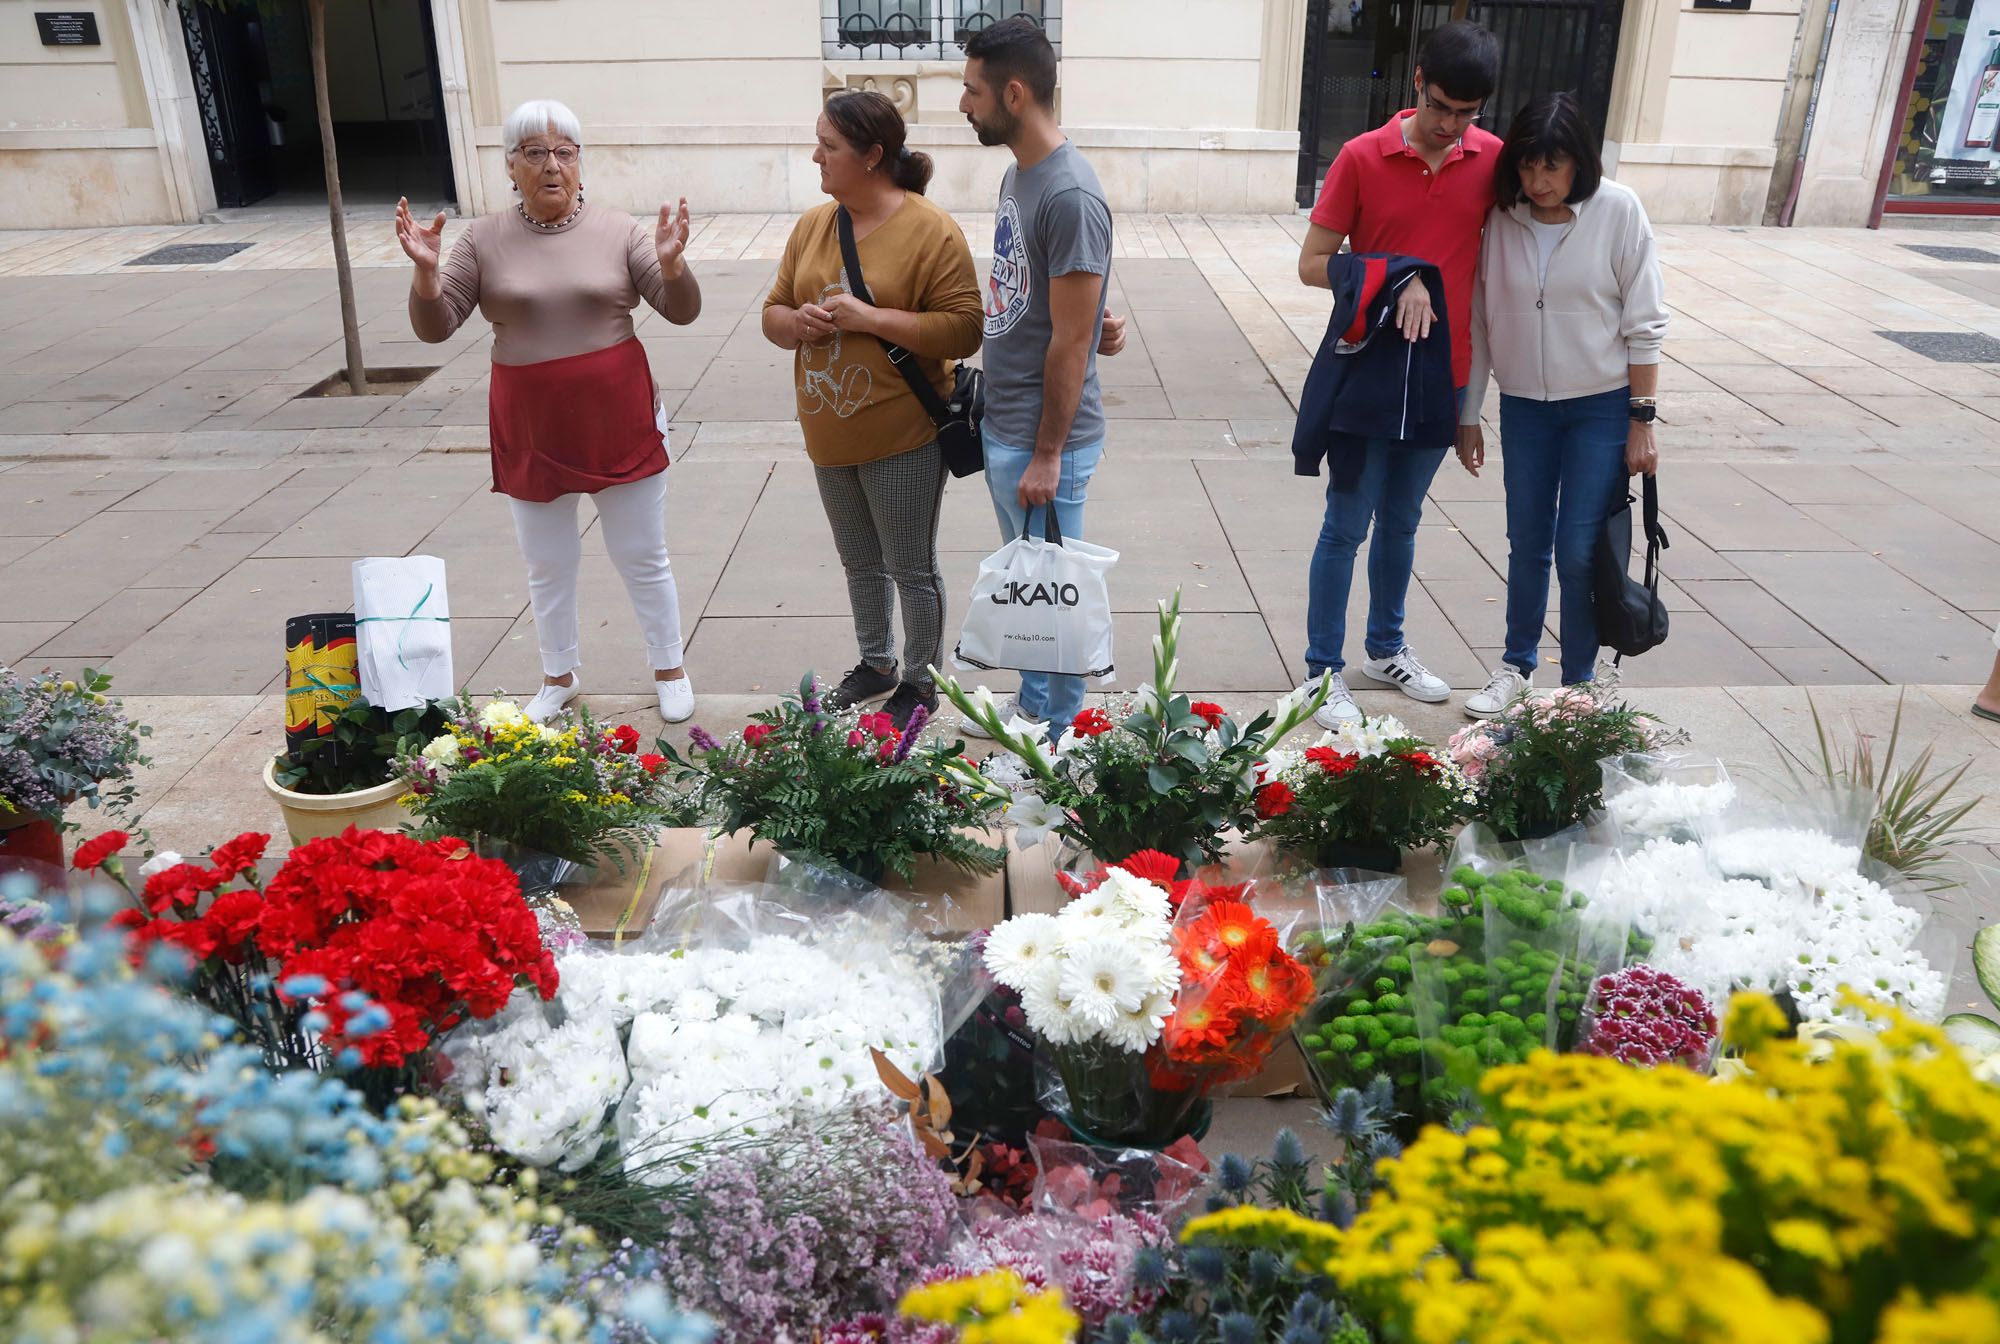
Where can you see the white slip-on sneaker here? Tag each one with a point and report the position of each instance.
(1008, 710)
(552, 700)
(1339, 707)
(1402, 669)
(1505, 686)
(676, 699)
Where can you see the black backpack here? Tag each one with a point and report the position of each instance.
(1630, 616)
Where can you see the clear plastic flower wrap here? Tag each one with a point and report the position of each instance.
(1089, 1181)
(1812, 836)
(1515, 974)
(1652, 794)
(1356, 950)
(739, 1010)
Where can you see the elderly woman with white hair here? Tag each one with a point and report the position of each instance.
(573, 409)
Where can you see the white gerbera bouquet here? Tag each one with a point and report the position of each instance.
(1097, 983)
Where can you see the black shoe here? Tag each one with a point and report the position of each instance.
(860, 686)
(904, 703)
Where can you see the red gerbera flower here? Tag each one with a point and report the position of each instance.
(1212, 714)
(1152, 866)
(1275, 799)
(91, 854)
(1091, 722)
(1423, 760)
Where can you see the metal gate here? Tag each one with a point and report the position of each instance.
(1360, 58)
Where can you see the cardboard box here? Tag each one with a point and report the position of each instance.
(960, 903)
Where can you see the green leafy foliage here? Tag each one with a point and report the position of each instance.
(1536, 766)
(579, 792)
(840, 787)
(361, 750)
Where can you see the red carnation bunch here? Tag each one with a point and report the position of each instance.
(429, 933)
(1240, 993)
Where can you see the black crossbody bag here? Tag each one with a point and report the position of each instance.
(957, 420)
(1631, 618)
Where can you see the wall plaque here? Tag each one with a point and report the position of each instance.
(67, 28)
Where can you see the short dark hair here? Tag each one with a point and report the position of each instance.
(1551, 124)
(1016, 48)
(1463, 60)
(866, 118)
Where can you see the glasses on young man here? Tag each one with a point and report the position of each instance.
(537, 155)
(1463, 116)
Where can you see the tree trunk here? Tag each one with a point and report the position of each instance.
(350, 323)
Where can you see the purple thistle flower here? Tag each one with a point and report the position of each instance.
(700, 738)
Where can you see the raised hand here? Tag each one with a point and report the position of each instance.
(670, 239)
(422, 244)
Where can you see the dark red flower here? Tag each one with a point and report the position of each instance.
(91, 854)
(1423, 760)
(1091, 722)
(1274, 800)
(1211, 714)
(626, 738)
(879, 726)
(652, 762)
(755, 733)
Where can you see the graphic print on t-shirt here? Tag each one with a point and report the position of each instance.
(824, 385)
(1008, 288)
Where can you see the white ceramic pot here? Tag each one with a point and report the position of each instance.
(309, 816)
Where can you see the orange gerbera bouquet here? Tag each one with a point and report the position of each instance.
(1240, 993)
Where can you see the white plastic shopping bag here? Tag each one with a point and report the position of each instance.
(402, 630)
(1041, 606)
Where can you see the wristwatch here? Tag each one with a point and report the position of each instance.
(1643, 410)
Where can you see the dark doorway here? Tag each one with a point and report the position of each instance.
(253, 78)
(1361, 55)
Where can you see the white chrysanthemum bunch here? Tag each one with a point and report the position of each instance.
(1101, 970)
(1720, 933)
(1782, 854)
(716, 1042)
(543, 1091)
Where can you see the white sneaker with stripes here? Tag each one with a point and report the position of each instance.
(1402, 669)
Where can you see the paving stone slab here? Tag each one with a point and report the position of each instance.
(117, 623)
(1885, 621)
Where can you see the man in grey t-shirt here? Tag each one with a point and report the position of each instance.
(1045, 315)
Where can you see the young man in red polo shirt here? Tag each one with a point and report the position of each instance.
(1420, 186)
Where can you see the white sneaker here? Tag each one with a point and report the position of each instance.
(1008, 710)
(676, 699)
(1505, 686)
(1339, 707)
(1402, 669)
(552, 700)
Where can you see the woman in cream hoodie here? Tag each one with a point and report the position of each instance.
(1568, 317)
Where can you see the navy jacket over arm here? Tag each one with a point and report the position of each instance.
(1367, 381)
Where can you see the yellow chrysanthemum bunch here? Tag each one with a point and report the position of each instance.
(994, 1308)
(1853, 1199)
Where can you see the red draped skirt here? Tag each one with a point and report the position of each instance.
(574, 425)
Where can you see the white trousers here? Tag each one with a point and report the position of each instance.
(634, 517)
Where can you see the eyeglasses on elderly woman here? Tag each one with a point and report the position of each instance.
(537, 155)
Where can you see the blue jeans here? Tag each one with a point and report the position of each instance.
(1563, 463)
(1390, 494)
(1044, 695)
